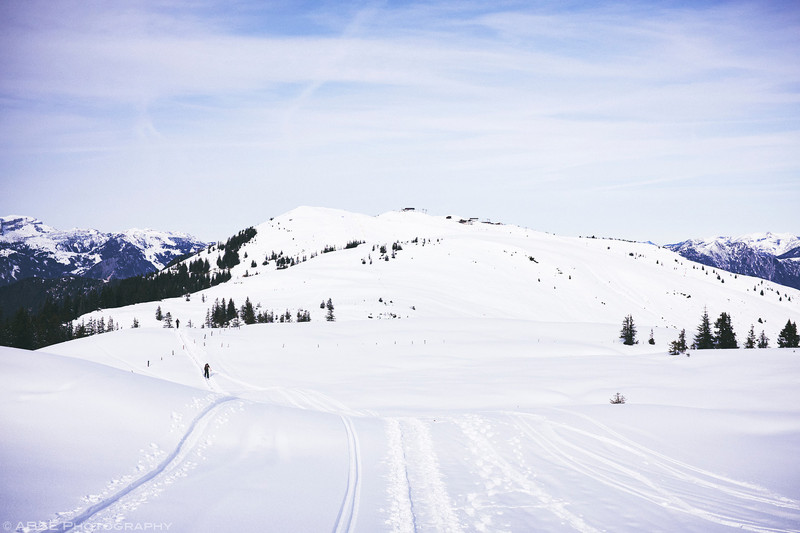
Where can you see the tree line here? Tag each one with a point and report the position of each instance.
(52, 323)
(223, 314)
(722, 336)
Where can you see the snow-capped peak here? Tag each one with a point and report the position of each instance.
(15, 228)
(766, 255)
(33, 249)
(765, 242)
(770, 243)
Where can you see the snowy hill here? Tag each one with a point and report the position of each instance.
(29, 248)
(464, 386)
(449, 268)
(771, 256)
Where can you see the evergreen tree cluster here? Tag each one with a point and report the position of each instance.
(34, 292)
(679, 345)
(284, 261)
(32, 331)
(223, 314)
(94, 327)
(230, 256)
(52, 323)
(762, 341)
(722, 337)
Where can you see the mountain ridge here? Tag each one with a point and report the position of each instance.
(770, 256)
(30, 248)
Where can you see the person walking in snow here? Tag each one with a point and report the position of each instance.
(207, 371)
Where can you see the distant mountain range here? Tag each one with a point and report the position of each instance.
(29, 248)
(770, 256)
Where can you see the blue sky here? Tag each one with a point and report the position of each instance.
(651, 121)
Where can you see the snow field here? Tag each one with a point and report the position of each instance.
(464, 386)
(447, 436)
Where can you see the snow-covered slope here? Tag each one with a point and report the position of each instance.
(449, 269)
(30, 248)
(771, 256)
(464, 386)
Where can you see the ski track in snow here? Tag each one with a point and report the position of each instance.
(311, 400)
(348, 512)
(418, 494)
(198, 362)
(498, 445)
(657, 478)
(294, 397)
(110, 510)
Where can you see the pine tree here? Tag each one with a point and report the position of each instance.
(763, 340)
(652, 339)
(704, 340)
(159, 315)
(231, 311)
(724, 336)
(168, 320)
(135, 323)
(750, 343)
(678, 346)
(248, 313)
(788, 337)
(329, 316)
(218, 313)
(628, 332)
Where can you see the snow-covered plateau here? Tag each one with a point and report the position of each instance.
(463, 386)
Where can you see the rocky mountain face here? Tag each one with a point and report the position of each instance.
(30, 248)
(775, 257)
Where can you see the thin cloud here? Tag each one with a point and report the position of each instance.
(610, 97)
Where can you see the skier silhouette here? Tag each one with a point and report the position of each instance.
(207, 371)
